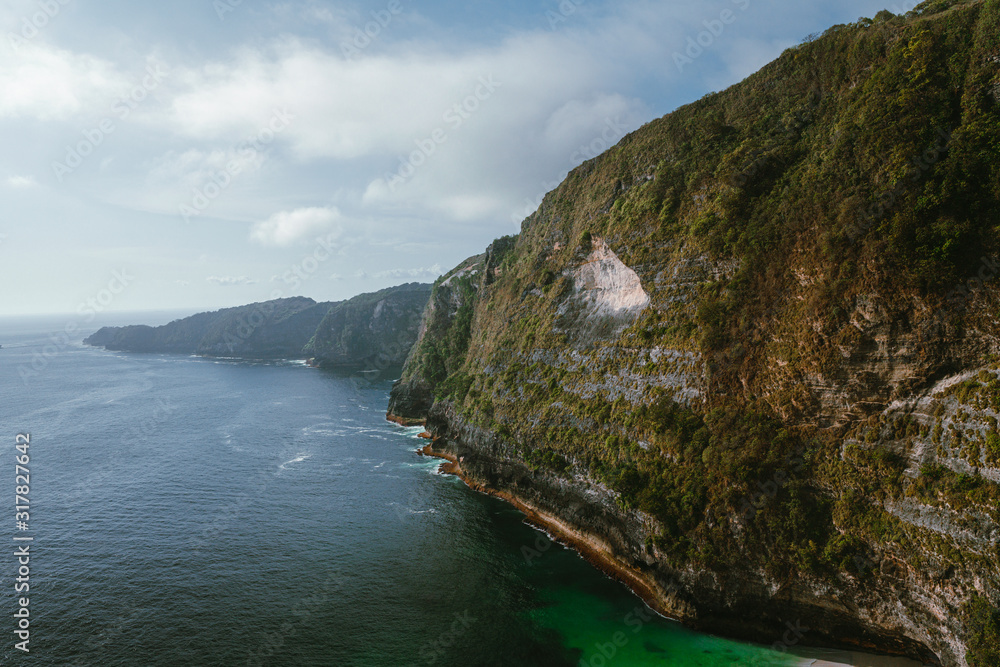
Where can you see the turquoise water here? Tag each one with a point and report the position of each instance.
(196, 512)
(604, 628)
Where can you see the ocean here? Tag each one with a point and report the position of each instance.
(191, 511)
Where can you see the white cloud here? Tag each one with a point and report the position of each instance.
(529, 100)
(22, 182)
(347, 109)
(424, 272)
(47, 83)
(578, 118)
(743, 57)
(194, 167)
(288, 227)
(230, 281)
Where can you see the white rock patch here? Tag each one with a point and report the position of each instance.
(606, 285)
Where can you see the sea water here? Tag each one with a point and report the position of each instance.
(191, 511)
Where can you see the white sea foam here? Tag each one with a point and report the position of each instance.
(298, 459)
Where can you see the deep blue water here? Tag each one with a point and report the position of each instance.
(188, 511)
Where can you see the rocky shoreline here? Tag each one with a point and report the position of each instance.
(591, 549)
(744, 612)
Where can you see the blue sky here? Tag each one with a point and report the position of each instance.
(215, 153)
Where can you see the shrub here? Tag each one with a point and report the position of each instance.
(983, 623)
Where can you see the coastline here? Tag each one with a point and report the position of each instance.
(403, 421)
(590, 549)
(599, 556)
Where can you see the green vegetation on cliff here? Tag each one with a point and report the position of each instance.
(984, 633)
(733, 317)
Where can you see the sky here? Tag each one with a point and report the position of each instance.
(195, 155)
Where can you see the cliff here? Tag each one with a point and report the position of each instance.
(267, 330)
(370, 331)
(444, 331)
(751, 353)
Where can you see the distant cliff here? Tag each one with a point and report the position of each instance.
(370, 331)
(267, 330)
(751, 354)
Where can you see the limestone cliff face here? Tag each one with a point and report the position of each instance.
(752, 352)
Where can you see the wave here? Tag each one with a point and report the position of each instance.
(298, 459)
(400, 509)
